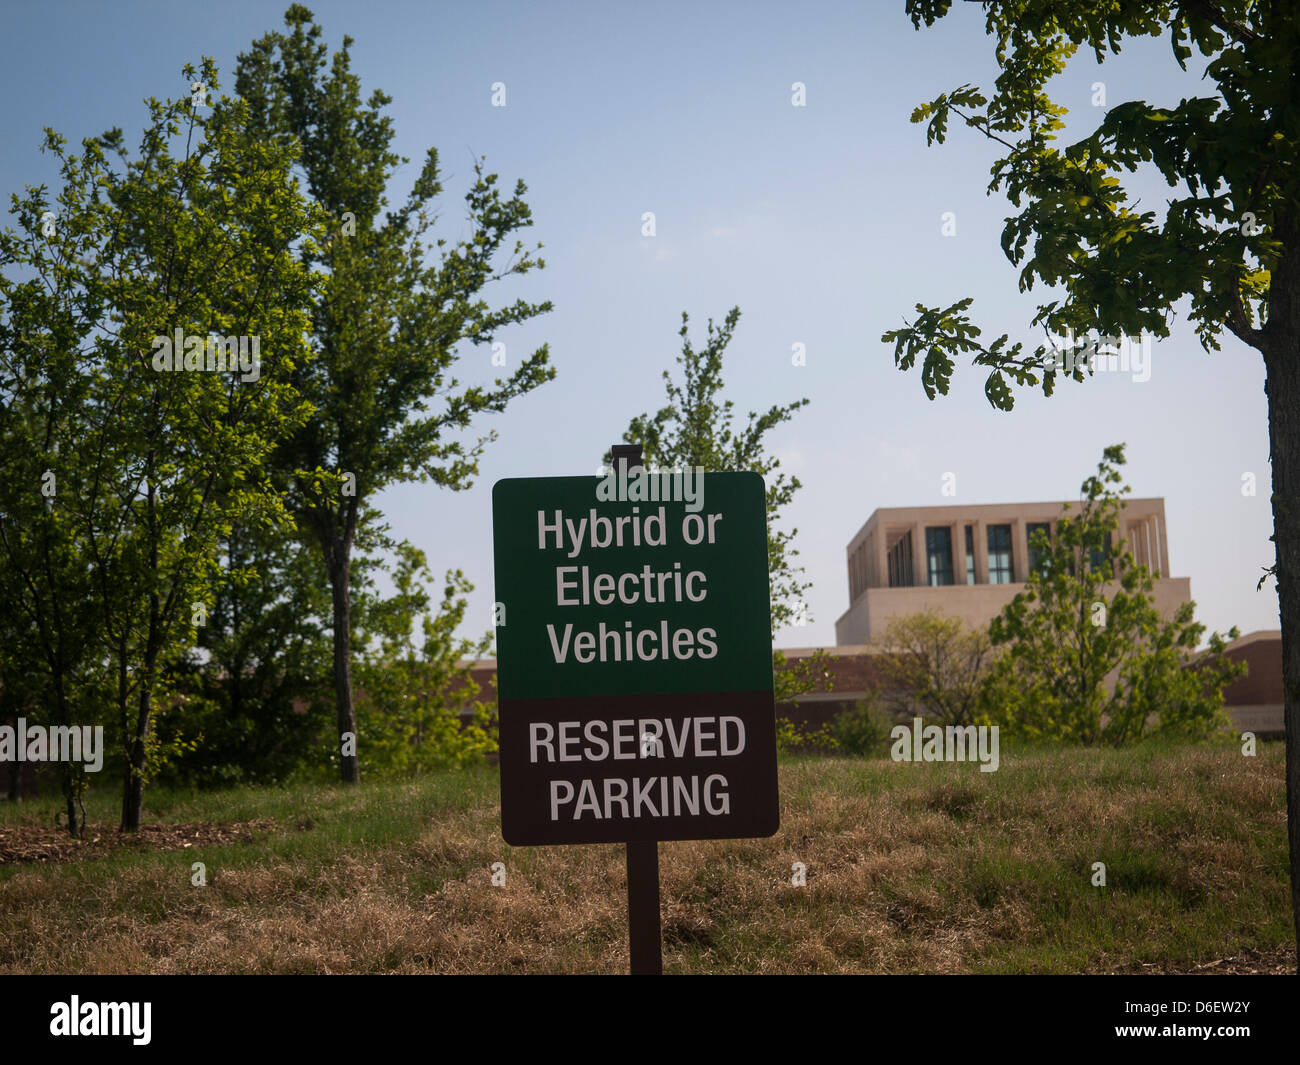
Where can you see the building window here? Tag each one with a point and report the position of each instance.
(938, 554)
(1038, 558)
(970, 554)
(1099, 558)
(999, 554)
(900, 562)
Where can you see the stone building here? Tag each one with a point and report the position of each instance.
(971, 561)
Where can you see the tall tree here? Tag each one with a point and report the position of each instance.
(154, 441)
(696, 429)
(387, 328)
(47, 611)
(1088, 658)
(1229, 241)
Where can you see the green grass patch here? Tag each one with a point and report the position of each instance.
(928, 867)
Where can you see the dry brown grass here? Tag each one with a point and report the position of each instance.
(910, 868)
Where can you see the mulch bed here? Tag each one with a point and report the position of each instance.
(37, 843)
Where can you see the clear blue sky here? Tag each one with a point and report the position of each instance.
(822, 223)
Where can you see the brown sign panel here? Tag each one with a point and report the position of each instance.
(638, 767)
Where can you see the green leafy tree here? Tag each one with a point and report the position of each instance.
(255, 682)
(1088, 657)
(387, 327)
(696, 429)
(151, 463)
(934, 665)
(414, 691)
(47, 615)
(20, 691)
(1228, 243)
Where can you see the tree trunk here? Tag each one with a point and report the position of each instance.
(138, 739)
(76, 823)
(1282, 385)
(68, 775)
(133, 790)
(15, 769)
(340, 584)
(133, 782)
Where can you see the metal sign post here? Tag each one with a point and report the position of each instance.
(644, 937)
(634, 666)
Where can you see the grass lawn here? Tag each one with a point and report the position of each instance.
(927, 867)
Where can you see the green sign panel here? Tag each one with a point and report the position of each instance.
(634, 661)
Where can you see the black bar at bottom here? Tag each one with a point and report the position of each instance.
(1024, 1011)
(643, 908)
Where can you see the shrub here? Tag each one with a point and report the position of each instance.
(863, 730)
(790, 738)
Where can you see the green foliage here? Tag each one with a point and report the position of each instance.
(792, 739)
(935, 666)
(388, 325)
(414, 693)
(804, 674)
(695, 429)
(1088, 657)
(199, 232)
(254, 682)
(864, 729)
(1229, 157)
